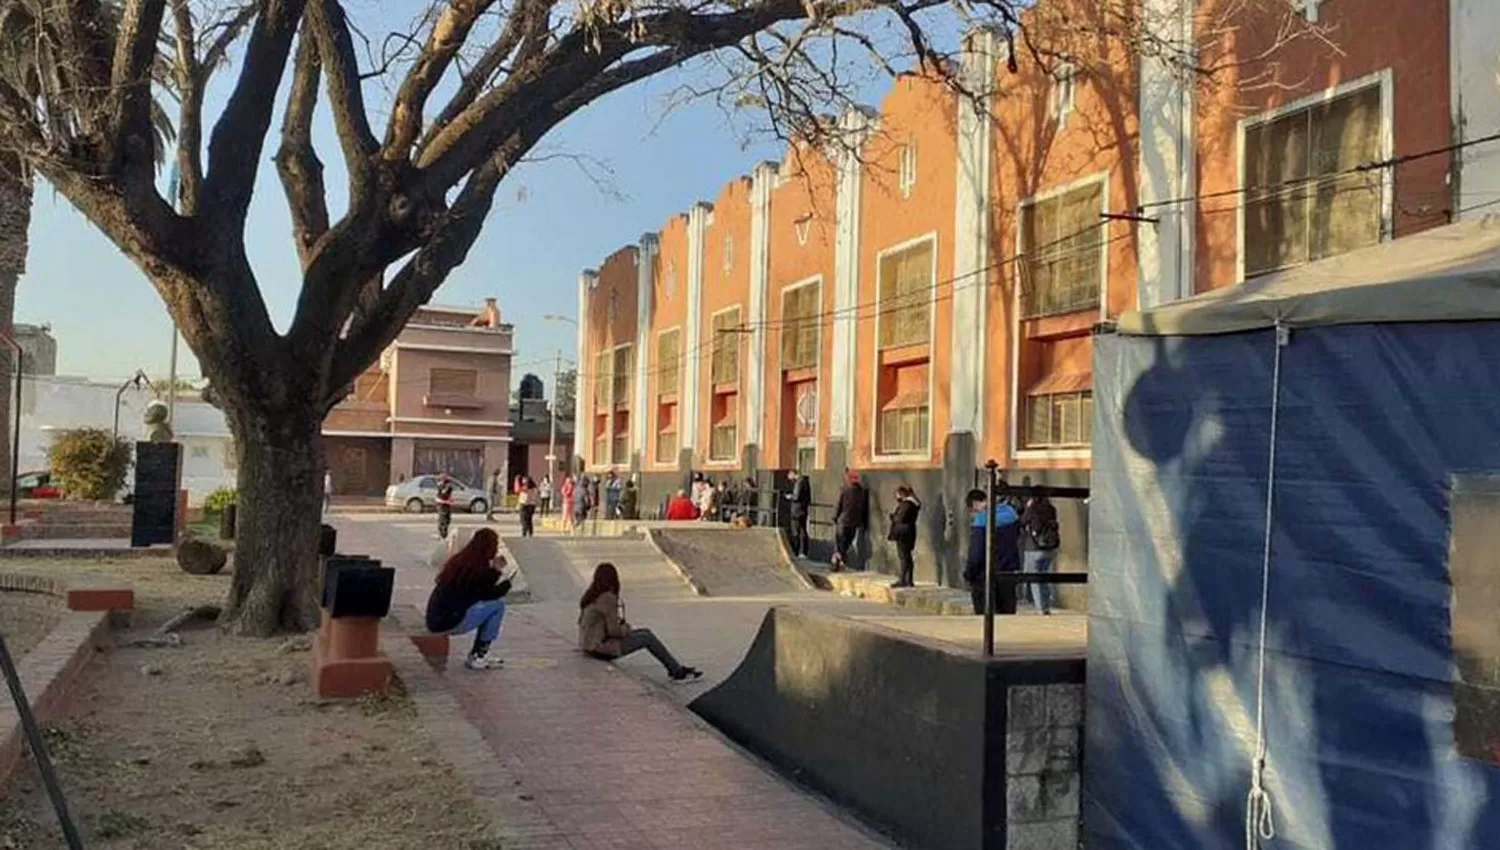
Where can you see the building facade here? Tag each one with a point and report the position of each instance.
(438, 400)
(927, 303)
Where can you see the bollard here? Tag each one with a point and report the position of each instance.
(347, 661)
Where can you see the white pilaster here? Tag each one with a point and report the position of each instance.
(696, 353)
(971, 229)
(1168, 158)
(762, 181)
(1475, 75)
(856, 125)
(640, 413)
(583, 390)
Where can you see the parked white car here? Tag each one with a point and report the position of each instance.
(419, 494)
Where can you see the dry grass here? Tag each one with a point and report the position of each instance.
(26, 618)
(219, 745)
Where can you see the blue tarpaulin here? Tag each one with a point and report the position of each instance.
(1359, 732)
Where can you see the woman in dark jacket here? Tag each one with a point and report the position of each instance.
(469, 596)
(904, 532)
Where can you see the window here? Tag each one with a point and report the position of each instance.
(908, 169)
(1061, 237)
(453, 382)
(199, 452)
(601, 449)
(905, 313)
(800, 325)
(903, 430)
(902, 427)
(619, 450)
(622, 376)
(1063, 93)
(666, 434)
(1060, 420)
(668, 362)
(1300, 205)
(723, 438)
(726, 351)
(602, 380)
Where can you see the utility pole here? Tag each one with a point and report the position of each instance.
(552, 438)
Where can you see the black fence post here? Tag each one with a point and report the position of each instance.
(989, 558)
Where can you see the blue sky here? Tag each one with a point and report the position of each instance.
(551, 221)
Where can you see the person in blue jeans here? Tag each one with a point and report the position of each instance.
(1039, 541)
(469, 596)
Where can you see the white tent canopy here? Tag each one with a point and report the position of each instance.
(1449, 273)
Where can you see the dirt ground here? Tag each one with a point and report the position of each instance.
(218, 744)
(26, 618)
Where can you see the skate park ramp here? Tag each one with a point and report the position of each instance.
(728, 561)
(909, 732)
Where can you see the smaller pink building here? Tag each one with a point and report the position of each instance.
(438, 400)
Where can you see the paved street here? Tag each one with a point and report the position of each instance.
(607, 759)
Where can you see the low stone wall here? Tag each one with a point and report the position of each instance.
(49, 671)
(928, 741)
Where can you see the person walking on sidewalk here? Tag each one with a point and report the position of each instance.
(1005, 551)
(614, 488)
(526, 503)
(850, 516)
(544, 490)
(903, 533)
(583, 492)
(1040, 538)
(444, 504)
(630, 501)
(327, 490)
(469, 596)
(497, 492)
(565, 507)
(604, 633)
(800, 497)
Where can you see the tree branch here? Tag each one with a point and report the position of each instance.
(448, 35)
(189, 111)
(297, 161)
(239, 137)
(446, 248)
(345, 94)
(130, 89)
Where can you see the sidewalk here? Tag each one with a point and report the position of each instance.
(594, 756)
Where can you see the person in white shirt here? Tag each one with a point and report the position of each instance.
(327, 490)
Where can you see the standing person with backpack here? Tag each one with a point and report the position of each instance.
(904, 533)
(1040, 538)
(444, 504)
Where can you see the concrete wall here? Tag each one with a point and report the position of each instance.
(934, 745)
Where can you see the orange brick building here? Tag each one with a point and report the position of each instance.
(927, 304)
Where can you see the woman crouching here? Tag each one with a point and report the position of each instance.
(469, 596)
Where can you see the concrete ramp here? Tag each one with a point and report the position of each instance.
(930, 742)
(728, 561)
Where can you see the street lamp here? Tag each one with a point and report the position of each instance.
(556, 371)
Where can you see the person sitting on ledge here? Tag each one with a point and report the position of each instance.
(469, 596)
(680, 507)
(603, 632)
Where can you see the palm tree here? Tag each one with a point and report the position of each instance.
(43, 60)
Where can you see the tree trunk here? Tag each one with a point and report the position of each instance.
(15, 222)
(279, 517)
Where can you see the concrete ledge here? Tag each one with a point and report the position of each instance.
(80, 593)
(877, 587)
(914, 735)
(48, 674)
(96, 550)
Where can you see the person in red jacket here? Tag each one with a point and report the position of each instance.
(681, 507)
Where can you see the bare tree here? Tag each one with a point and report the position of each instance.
(469, 91)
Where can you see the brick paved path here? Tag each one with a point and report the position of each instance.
(595, 756)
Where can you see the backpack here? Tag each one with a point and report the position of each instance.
(1044, 531)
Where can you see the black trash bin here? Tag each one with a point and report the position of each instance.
(226, 522)
(328, 541)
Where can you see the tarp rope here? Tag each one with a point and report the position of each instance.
(1259, 824)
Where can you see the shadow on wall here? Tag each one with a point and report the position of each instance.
(1358, 699)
